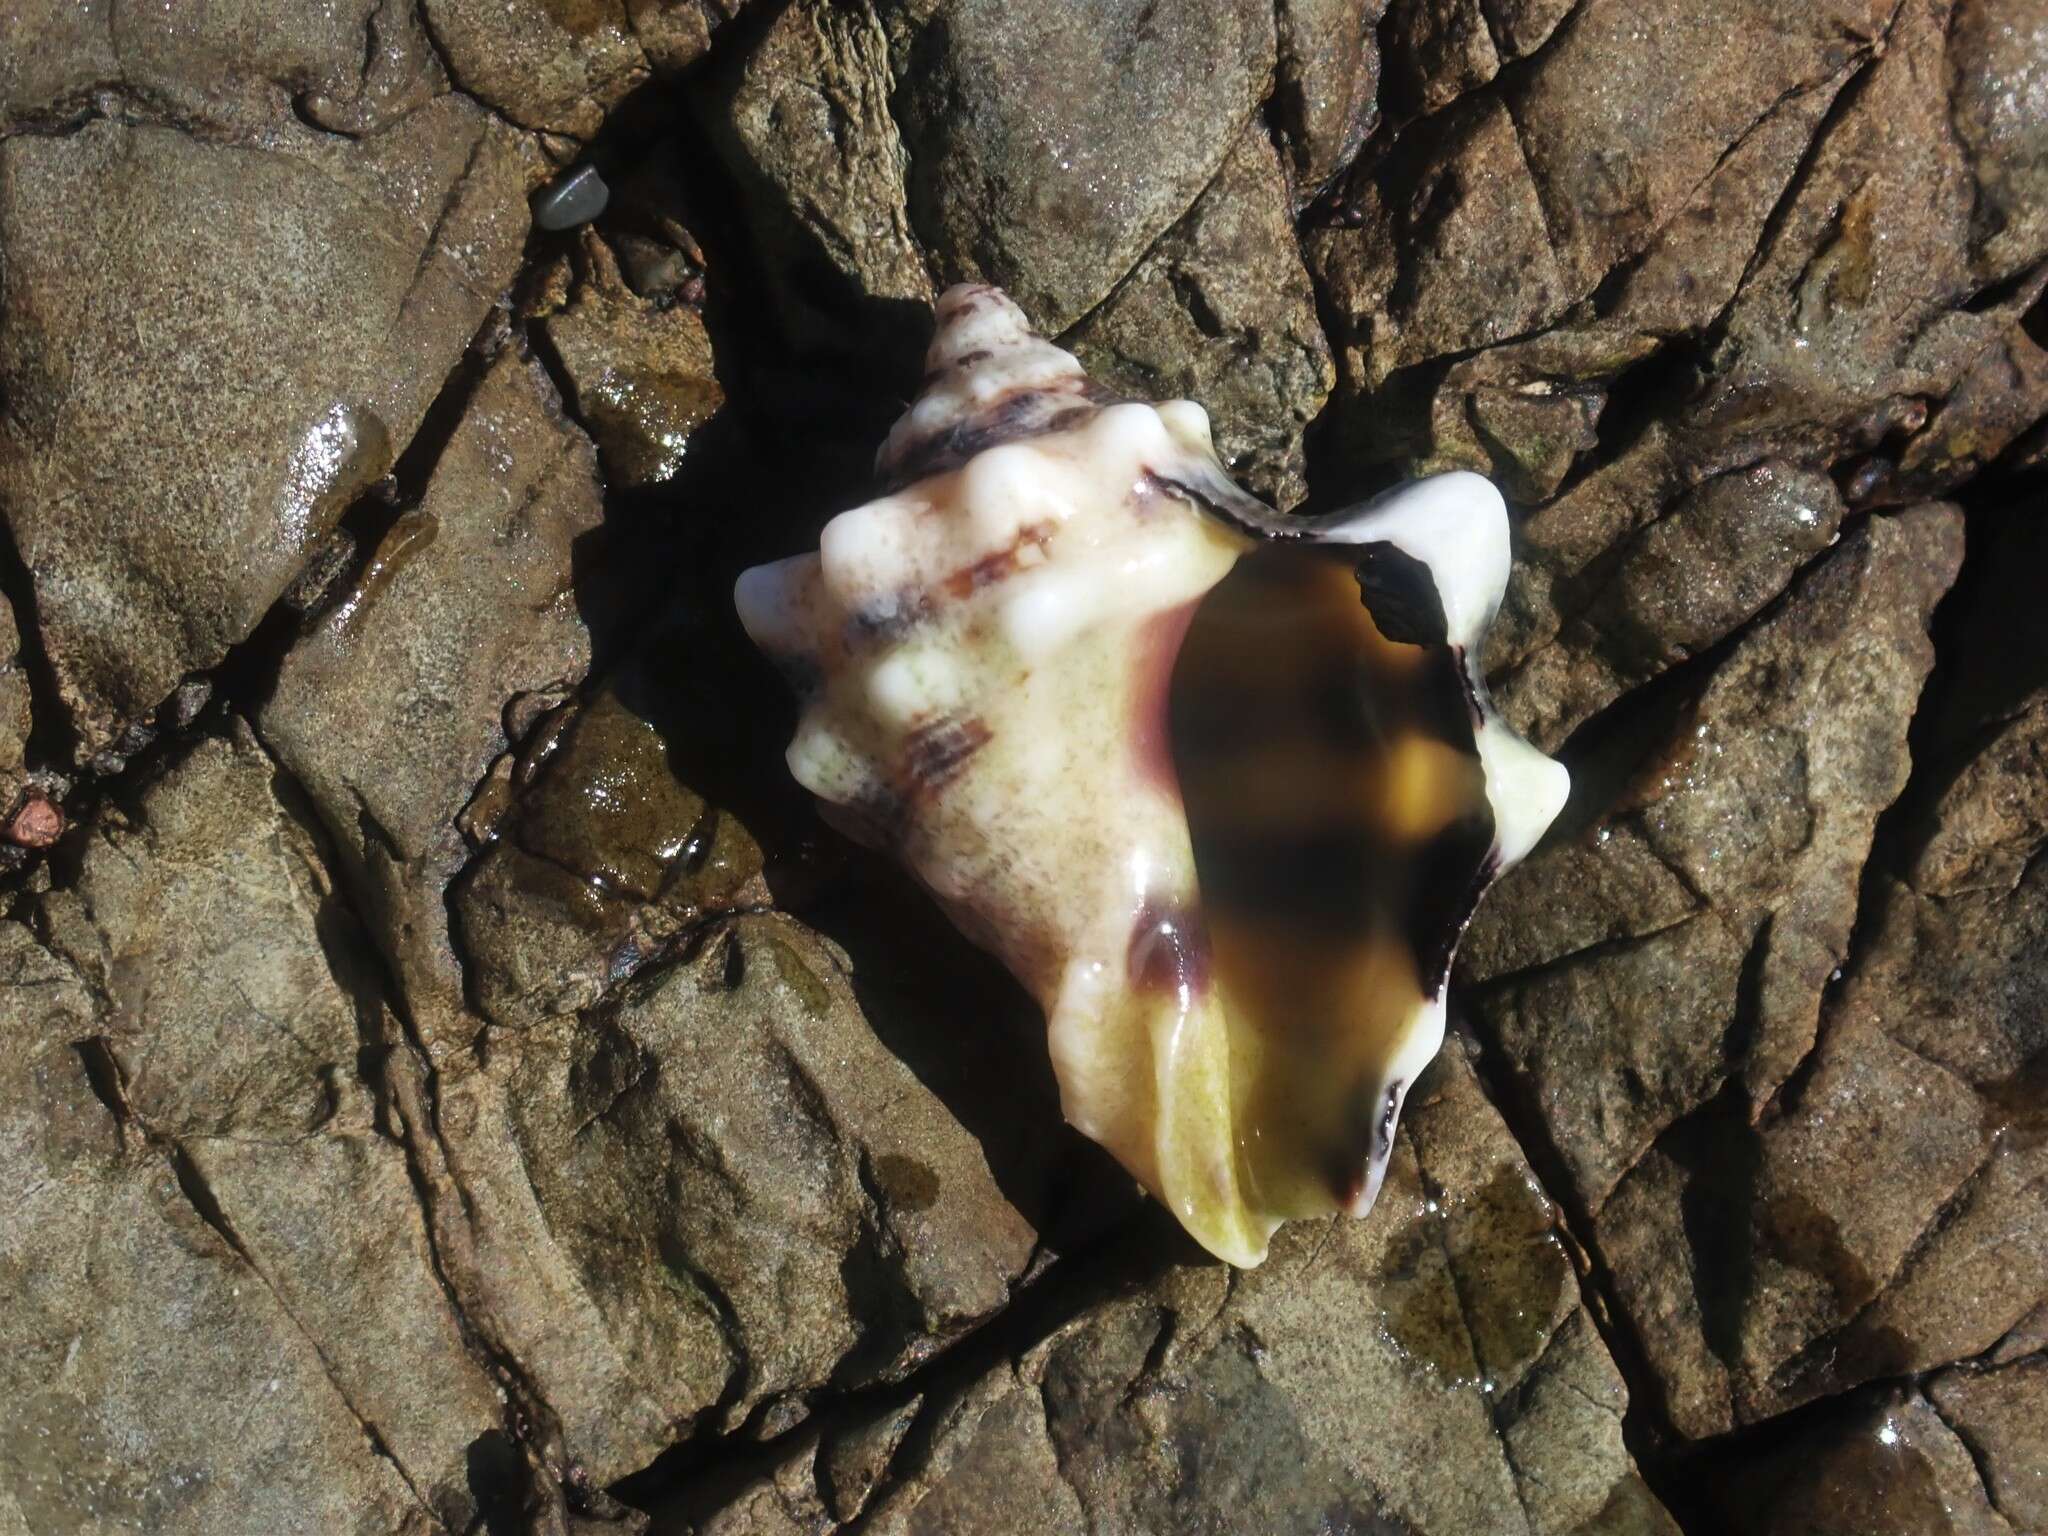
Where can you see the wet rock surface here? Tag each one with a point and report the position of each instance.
(452, 1081)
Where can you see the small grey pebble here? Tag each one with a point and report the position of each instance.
(574, 198)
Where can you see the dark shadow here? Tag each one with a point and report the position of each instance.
(698, 1477)
(497, 1481)
(1990, 638)
(807, 404)
(1722, 1159)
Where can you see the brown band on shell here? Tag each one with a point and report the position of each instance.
(998, 564)
(936, 751)
(1028, 411)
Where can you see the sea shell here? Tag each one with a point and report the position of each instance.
(1138, 735)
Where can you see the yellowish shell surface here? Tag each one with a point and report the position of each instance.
(1015, 663)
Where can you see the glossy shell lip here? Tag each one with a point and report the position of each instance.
(1240, 937)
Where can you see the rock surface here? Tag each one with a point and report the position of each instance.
(453, 1083)
(293, 340)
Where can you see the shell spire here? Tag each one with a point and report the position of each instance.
(1139, 736)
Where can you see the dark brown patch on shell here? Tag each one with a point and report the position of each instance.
(1401, 595)
(1169, 952)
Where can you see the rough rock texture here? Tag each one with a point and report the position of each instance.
(1326, 96)
(760, 1198)
(222, 1228)
(1888, 1462)
(1055, 204)
(294, 338)
(545, 65)
(804, 121)
(1221, 311)
(1188, 1399)
(353, 66)
(453, 1083)
(1428, 1369)
(390, 710)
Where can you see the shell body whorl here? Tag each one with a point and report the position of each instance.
(1138, 735)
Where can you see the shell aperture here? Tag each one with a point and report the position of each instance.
(1142, 739)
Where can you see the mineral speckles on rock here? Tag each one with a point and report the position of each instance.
(1656, 270)
(294, 338)
(1054, 203)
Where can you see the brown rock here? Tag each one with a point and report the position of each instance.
(1444, 249)
(231, 67)
(2000, 1416)
(1708, 563)
(255, 367)
(758, 1196)
(606, 858)
(1857, 300)
(1632, 107)
(389, 710)
(1885, 1466)
(1725, 889)
(1435, 53)
(1055, 207)
(1200, 1401)
(1221, 312)
(229, 1010)
(1327, 92)
(15, 707)
(1996, 103)
(1524, 412)
(804, 122)
(641, 373)
(555, 65)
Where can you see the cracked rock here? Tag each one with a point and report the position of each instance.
(1999, 1414)
(1668, 591)
(1056, 206)
(1449, 1319)
(1886, 1465)
(390, 710)
(1858, 299)
(354, 66)
(804, 122)
(453, 1082)
(254, 368)
(759, 1197)
(553, 65)
(1722, 882)
(1327, 92)
(1221, 312)
(223, 1004)
(641, 373)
